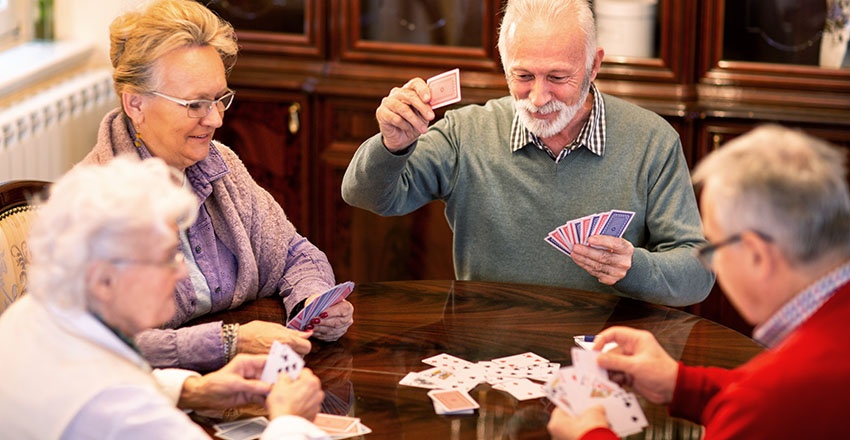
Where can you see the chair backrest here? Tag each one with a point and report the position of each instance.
(16, 216)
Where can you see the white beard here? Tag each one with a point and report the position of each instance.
(543, 128)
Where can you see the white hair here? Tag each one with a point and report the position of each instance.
(555, 14)
(785, 184)
(89, 214)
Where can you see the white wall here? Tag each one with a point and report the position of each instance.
(88, 20)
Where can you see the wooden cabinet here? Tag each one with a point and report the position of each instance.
(717, 69)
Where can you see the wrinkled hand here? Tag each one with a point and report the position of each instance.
(301, 397)
(257, 336)
(404, 114)
(643, 362)
(236, 384)
(608, 264)
(563, 426)
(332, 323)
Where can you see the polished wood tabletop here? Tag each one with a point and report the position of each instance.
(397, 324)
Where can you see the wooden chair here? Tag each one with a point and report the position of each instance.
(16, 216)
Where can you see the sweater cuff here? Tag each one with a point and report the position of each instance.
(171, 380)
(293, 427)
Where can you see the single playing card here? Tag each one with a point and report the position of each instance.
(521, 389)
(521, 360)
(252, 429)
(445, 88)
(219, 427)
(617, 223)
(282, 359)
(452, 402)
(436, 378)
(317, 304)
(447, 361)
(333, 424)
(624, 413)
(585, 363)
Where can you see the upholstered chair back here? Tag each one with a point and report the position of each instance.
(16, 215)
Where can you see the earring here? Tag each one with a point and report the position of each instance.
(137, 139)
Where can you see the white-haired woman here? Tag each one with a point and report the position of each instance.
(105, 261)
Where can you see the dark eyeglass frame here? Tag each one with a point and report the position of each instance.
(200, 108)
(705, 253)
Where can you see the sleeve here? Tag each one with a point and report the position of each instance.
(171, 380)
(695, 386)
(397, 184)
(286, 263)
(197, 347)
(293, 428)
(130, 413)
(600, 434)
(664, 268)
(307, 272)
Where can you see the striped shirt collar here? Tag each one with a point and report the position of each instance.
(591, 136)
(801, 307)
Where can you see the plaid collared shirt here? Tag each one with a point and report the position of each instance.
(801, 307)
(591, 136)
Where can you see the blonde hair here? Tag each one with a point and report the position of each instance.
(139, 38)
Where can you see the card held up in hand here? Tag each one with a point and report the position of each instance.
(445, 88)
(282, 359)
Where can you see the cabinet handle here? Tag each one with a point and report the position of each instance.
(294, 118)
(717, 140)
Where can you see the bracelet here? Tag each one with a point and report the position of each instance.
(229, 337)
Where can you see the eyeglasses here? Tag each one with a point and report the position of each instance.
(173, 264)
(200, 108)
(705, 254)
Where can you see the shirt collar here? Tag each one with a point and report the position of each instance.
(801, 307)
(591, 136)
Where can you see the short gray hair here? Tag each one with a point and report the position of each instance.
(786, 184)
(554, 13)
(89, 213)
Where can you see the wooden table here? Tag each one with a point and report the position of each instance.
(397, 324)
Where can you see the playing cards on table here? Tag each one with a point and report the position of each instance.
(317, 304)
(612, 223)
(445, 88)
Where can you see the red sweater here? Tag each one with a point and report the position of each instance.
(799, 389)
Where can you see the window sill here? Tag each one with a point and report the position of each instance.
(38, 61)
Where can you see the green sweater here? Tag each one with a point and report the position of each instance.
(500, 205)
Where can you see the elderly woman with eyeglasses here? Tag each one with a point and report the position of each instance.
(105, 260)
(171, 62)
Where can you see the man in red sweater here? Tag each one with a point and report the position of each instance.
(776, 212)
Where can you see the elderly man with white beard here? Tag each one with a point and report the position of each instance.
(556, 149)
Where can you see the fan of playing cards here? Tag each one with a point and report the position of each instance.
(317, 304)
(585, 384)
(283, 359)
(612, 223)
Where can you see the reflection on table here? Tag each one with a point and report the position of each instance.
(397, 324)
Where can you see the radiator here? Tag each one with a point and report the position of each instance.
(46, 133)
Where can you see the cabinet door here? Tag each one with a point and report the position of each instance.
(265, 129)
(773, 53)
(290, 26)
(457, 33)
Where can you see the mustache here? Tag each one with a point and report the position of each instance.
(549, 107)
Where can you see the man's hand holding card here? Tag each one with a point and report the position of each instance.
(583, 385)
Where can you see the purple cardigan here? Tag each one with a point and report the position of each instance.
(242, 242)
